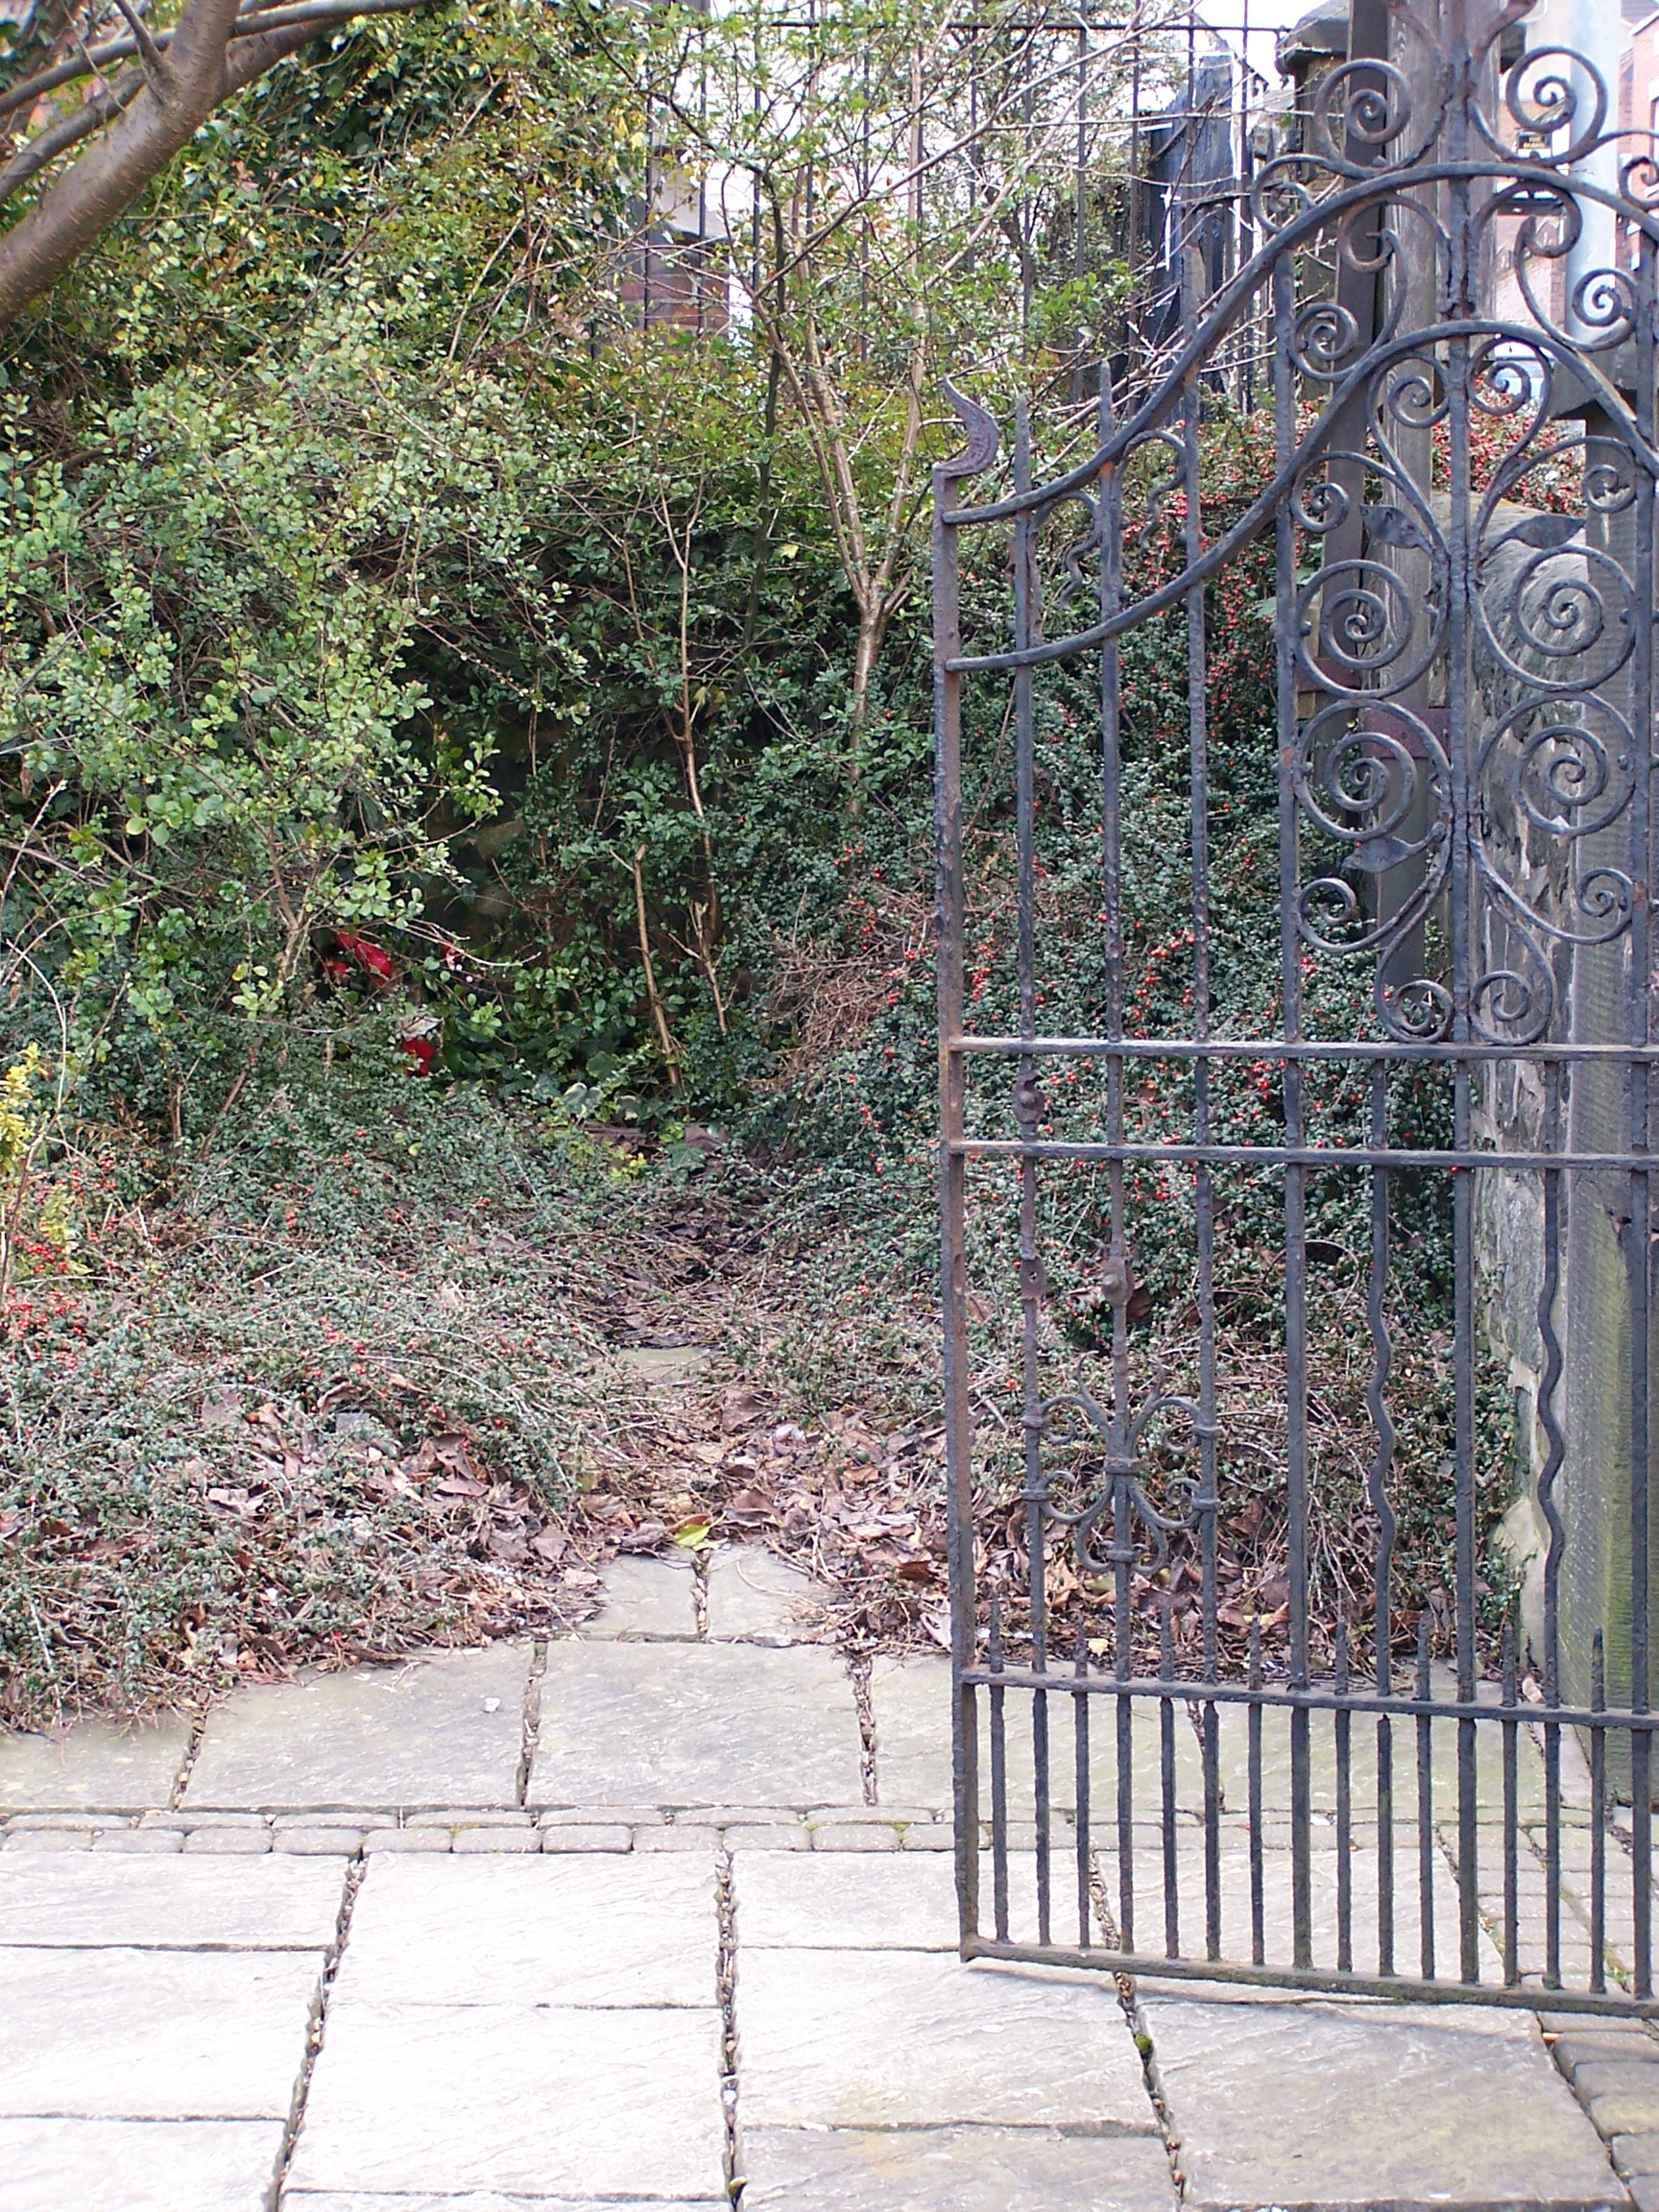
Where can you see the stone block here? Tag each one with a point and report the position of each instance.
(172, 1902)
(552, 2101)
(606, 1816)
(410, 1840)
(162, 2165)
(668, 1839)
(658, 1724)
(1626, 2106)
(854, 1835)
(91, 1823)
(768, 1835)
(927, 1836)
(913, 2039)
(442, 1730)
(318, 1842)
(600, 1929)
(596, 1839)
(54, 1839)
(497, 1841)
(154, 2034)
(469, 1817)
(92, 1766)
(140, 1842)
(1599, 2045)
(754, 1597)
(1298, 2101)
(228, 1842)
(1635, 2154)
(1644, 2191)
(646, 1597)
(952, 2170)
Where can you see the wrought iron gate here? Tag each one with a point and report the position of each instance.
(1186, 1743)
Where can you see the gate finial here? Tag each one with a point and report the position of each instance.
(983, 436)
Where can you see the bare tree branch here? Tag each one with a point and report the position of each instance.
(151, 113)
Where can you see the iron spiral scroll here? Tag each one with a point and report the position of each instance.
(1455, 294)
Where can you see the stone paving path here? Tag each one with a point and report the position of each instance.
(623, 1922)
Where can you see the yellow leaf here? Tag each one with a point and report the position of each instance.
(693, 1533)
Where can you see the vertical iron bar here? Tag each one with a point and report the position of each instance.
(953, 1203)
(1383, 1566)
(1085, 1902)
(1257, 1899)
(1511, 1836)
(1344, 1727)
(1556, 1453)
(1597, 1819)
(1425, 1805)
(1205, 1503)
(1028, 1111)
(1465, 967)
(998, 1776)
(1166, 1786)
(1640, 1260)
(1295, 1184)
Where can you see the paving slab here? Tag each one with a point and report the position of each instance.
(759, 1599)
(137, 2165)
(154, 2034)
(952, 2170)
(646, 1597)
(851, 1901)
(912, 2040)
(92, 1767)
(579, 1929)
(1310, 2103)
(695, 1724)
(267, 1903)
(551, 2101)
(445, 1730)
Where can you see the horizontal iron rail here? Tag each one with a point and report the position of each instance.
(1532, 1996)
(1309, 1700)
(1298, 1155)
(1287, 1048)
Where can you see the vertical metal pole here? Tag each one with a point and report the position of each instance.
(1295, 1215)
(953, 1202)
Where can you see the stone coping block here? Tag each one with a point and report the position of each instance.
(170, 1904)
(952, 2170)
(163, 2165)
(555, 1841)
(648, 1598)
(92, 1766)
(125, 2034)
(754, 1597)
(695, 1724)
(602, 1929)
(550, 2102)
(1300, 2101)
(914, 2039)
(442, 1730)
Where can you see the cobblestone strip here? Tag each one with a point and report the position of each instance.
(315, 2028)
(469, 1831)
(725, 1982)
(1128, 1996)
(858, 1670)
(532, 1718)
(1613, 2066)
